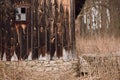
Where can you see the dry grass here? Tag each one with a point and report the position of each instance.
(18, 72)
(97, 45)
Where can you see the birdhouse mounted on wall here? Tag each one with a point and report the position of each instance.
(41, 29)
(20, 14)
(22, 11)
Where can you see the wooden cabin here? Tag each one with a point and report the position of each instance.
(38, 29)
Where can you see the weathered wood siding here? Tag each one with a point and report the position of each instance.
(47, 32)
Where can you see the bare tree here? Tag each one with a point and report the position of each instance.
(100, 17)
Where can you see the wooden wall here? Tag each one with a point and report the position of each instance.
(46, 32)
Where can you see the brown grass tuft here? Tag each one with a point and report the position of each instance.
(97, 45)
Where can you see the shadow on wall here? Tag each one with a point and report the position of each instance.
(78, 6)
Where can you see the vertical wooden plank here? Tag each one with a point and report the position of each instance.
(32, 24)
(1, 34)
(72, 24)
